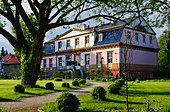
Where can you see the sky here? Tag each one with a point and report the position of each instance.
(57, 31)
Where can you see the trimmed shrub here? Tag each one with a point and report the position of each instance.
(111, 79)
(97, 79)
(58, 79)
(137, 81)
(120, 82)
(65, 84)
(67, 102)
(113, 88)
(75, 83)
(104, 79)
(19, 88)
(49, 86)
(82, 81)
(166, 109)
(98, 92)
(76, 79)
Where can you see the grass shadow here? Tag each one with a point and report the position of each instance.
(117, 101)
(5, 99)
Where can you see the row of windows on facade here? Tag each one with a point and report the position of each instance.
(137, 38)
(78, 59)
(76, 43)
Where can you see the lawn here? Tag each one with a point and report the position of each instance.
(7, 89)
(158, 91)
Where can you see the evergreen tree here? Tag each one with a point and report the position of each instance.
(2, 52)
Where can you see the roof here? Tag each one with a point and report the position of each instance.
(49, 41)
(8, 56)
(12, 61)
(113, 25)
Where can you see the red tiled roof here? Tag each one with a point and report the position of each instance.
(7, 57)
(12, 61)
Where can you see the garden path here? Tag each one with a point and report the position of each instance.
(31, 104)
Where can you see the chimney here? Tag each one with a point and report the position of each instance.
(84, 26)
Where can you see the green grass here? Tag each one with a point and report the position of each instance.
(158, 91)
(7, 89)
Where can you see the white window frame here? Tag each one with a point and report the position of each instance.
(110, 58)
(128, 36)
(136, 38)
(100, 37)
(59, 46)
(51, 64)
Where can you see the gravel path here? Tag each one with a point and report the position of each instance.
(32, 104)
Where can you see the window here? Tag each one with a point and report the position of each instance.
(98, 60)
(59, 46)
(100, 37)
(87, 40)
(68, 44)
(7, 67)
(77, 43)
(15, 66)
(150, 40)
(128, 37)
(144, 43)
(77, 60)
(151, 76)
(68, 59)
(129, 75)
(45, 64)
(136, 38)
(51, 64)
(59, 61)
(52, 46)
(109, 59)
(87, 62)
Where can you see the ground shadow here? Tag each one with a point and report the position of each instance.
(5, 99)
(118, 101)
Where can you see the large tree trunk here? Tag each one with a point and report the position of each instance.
(30, 63)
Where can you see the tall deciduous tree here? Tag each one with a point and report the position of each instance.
(55, 13)
(164, 53)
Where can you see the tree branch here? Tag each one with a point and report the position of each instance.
(11, 39)
(68, 3)
(33, 9)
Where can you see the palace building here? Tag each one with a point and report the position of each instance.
(108, 46)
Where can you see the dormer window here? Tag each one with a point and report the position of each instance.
(52, 46)
(59, 46)
(100, 37)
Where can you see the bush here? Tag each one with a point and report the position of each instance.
(113, 88)
(120, 82)
(65, 84)
(111, 79)
(98, 92)
(76, 79)
(40, 78)
(75, 83)
(137, 81)
(58, 79)
(82, 81)
(97, 79)
(104, 79)
(67, 102)
(49, 86)
(19, 88)
(167, 109)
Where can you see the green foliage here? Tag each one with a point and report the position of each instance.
(97, 79)
(164, 53)
(167, 109)
(97, 71)
(41, 73)
(87, 72)
(3, 53)
(82, 81)
(75, 83)
(104, 79)
(2, 76)
(120, 82)
(49, 86)
(58, 79)
(74, 74)
(56, 74)
(19, 88)
(100, 74)
(111, 79)
(107, 72)
(98, 92)
(65, 84)
(92, 72)
(137, 81)
(67, 102)
(114, 88)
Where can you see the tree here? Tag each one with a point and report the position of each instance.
(164, 53)
(51, 14)
(2, 52)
